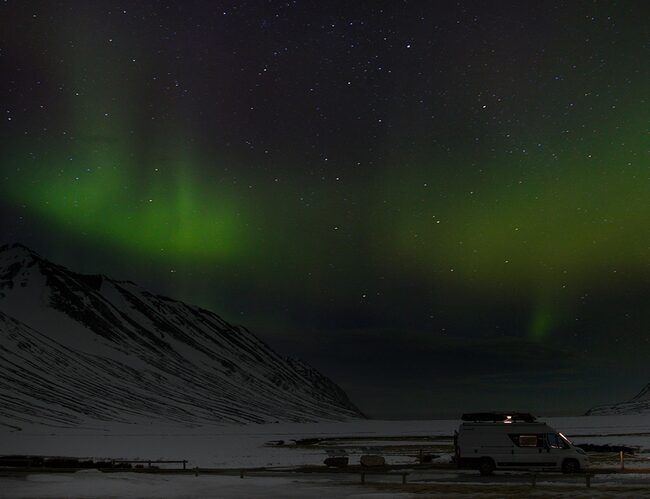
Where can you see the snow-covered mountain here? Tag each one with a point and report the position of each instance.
(80, 348)
(639, 404)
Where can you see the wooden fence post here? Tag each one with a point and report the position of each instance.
(622, 459)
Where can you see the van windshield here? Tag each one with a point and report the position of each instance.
(554, 440)
(557, 441)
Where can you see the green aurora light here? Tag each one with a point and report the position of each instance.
(546, 214)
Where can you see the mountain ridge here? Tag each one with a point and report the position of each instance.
(78, 347)
(639, 404)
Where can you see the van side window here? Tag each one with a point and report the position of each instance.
(527, 440)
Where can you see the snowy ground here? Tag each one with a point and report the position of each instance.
(230, 446)
(97, 485)
(127, 485)
(274, 445)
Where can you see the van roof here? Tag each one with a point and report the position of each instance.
(503, 424)
(498, 417)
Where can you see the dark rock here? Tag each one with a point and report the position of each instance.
(372, 461)
(336, 462)
(308, 441)
(427, 458)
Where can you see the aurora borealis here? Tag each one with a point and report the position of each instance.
(447, 200)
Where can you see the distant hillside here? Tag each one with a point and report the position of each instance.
(76, 348)
(639, 404)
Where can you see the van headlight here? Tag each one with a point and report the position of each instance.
(580, 451)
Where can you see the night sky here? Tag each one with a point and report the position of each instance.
(444, 206)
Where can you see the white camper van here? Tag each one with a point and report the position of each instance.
(514, 440)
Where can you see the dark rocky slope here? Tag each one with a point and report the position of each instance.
(76, 348)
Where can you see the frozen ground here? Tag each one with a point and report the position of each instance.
(227, 446)
(97, 485)
(283, 445)
(243, 446)
(92, 485)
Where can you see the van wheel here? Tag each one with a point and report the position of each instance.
(570, 466)
(486, 466)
